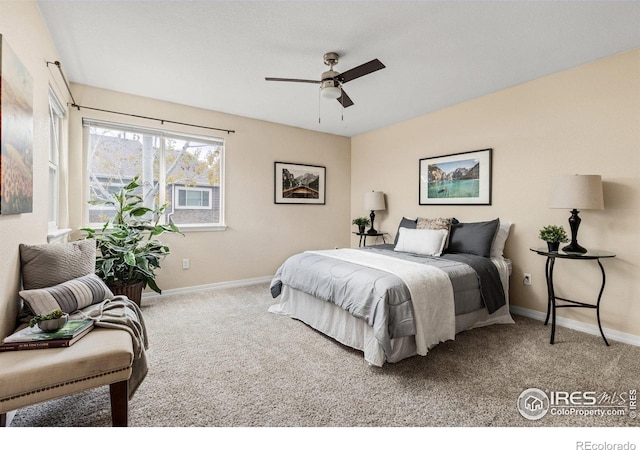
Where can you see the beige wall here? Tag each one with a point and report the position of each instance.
(22, 27)
(259, 234)
(585, 120)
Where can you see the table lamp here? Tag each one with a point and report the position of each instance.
(576, 192)
(373, 201)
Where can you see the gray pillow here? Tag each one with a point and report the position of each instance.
(405, 223)
(69, 296)
(475, 238)
(48, 265)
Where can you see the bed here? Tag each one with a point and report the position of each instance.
(393, 301)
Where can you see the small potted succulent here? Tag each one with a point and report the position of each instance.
(553, 235)
(361, 222)
(53, 321)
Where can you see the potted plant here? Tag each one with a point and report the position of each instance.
(361, 222)
(128, 252)
(53, 321)
(553, 235)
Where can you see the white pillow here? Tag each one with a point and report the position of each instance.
(423, 241)
(502, 234)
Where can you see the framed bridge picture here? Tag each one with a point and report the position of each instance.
(300, 184)
(457, 179)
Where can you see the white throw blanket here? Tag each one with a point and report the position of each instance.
(430, 289)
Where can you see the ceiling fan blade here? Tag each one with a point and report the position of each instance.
(344, 99)
(294, 80)
(360, 71)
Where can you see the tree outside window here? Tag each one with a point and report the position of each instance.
(169, 165)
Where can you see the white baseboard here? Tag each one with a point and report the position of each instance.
(612, 335)
(213, 286)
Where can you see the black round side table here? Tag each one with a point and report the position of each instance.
(365, 235)
(552, 302)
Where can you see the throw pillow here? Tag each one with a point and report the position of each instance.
(404, 223)
(50, 264)
(497, 249)
(475, 238)
(421, 242)
(441, 223)
(69, 296)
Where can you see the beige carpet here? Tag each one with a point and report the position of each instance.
(219, 359)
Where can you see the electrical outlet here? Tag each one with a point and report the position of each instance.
(185, 264)
(526, 279)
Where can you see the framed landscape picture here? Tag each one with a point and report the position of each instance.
(301, 184)
(456, 179)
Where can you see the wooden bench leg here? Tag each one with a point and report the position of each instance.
(119, 403)
(3, 420)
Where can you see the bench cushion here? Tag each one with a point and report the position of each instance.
(103, 356)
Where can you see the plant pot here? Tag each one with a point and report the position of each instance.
(132, 291)
(553, 246)
(361, 229)
(51, 325)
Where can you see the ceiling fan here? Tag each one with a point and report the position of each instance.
(331, 81)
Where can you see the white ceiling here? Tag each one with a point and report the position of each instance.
(216, 54)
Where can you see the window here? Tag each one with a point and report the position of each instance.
(56, 113)
(184, 171)
(195, 198)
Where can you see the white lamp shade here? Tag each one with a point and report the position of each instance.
(374, 201)
(577, 192)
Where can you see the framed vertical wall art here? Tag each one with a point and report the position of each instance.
(456, 179)
(300, 184)
(16, 133)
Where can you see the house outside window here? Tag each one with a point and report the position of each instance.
(197, 198)
(194, 203)
(184, 171)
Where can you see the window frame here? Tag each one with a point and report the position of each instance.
(164, 135)
(56, 115)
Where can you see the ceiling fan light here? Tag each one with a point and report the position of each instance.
(331, 92)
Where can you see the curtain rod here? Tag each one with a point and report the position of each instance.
(162, 121)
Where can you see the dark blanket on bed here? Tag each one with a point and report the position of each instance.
(491, 288)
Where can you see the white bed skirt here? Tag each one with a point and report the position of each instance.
(338, 324)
